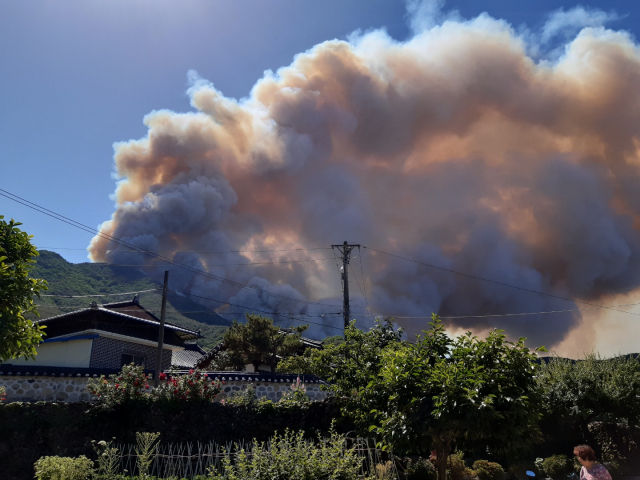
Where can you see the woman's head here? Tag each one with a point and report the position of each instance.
(585, 452)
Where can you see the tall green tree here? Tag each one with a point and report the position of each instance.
(18, 335)
(440, 392)
(260, 342)
(591, 389)
(349, 367)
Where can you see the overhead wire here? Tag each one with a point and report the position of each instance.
(500, 283)
(262, 311)
(100, 294)
(217, 265)
(121, 242)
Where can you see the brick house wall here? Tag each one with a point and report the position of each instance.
(107, 353)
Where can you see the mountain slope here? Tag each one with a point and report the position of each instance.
(66, 278)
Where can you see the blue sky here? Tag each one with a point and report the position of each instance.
(79, 75)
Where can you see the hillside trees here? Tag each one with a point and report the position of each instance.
(18, 335)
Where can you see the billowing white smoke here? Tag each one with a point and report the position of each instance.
(456, 148)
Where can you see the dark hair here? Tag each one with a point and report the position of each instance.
(585, 452)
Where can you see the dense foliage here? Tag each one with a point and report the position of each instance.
(592, 389)
(260, 342)
(132, 383)
(18, 334)
(63, 468)
(292, 457)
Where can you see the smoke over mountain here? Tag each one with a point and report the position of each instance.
(460, 147)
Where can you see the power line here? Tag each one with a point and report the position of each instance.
(197, 251)
(124, 243)
(99, 295)
(515, 314)
(263, 311)
(499, 283)
(219, 265)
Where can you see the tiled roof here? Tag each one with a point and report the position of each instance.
(187, 358)
(191, 334)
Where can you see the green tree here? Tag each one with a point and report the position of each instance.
(439, 392)
(260, 342)
(18, 335)
(349, 367)
(592, 389)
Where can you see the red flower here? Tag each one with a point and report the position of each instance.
(117, 385)
(163, 375)
(191, 371)
(146, 386)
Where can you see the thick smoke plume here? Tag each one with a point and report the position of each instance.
(460, 147)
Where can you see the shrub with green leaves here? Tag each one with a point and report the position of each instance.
(63, 468)
(420, 469)
(486, 470)
(244, 397)
(131, 383)
(194, 386)
(292, 457)
(557, 467)
(296, 394)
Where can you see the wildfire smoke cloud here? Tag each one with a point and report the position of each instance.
(457, 148)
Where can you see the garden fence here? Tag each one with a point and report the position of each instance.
(189, 460)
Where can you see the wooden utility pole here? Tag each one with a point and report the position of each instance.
(345, 250)
(163, 311)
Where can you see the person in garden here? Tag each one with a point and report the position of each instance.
(590, 469)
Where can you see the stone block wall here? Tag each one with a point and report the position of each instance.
(35, 388)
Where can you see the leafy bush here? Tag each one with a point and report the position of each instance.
(457, 467)
(291, 457)
(420, 469)
(245, 396)
(194, 386)
(385, 471)
(63, 468)
(297, 393)
(132, 384)
(3, 394)
(557, 467)
(486, 470)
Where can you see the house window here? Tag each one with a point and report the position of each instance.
(128, 358)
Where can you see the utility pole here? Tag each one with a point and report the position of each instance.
(163, 311)
(345, 250)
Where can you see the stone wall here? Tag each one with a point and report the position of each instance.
(33, 388)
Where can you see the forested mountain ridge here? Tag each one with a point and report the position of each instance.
(66, 278)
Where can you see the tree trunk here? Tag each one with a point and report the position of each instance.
(443, 449)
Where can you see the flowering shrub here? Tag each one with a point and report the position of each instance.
(297, 394)
(194, 386)
(131, 383)
(3, 394)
